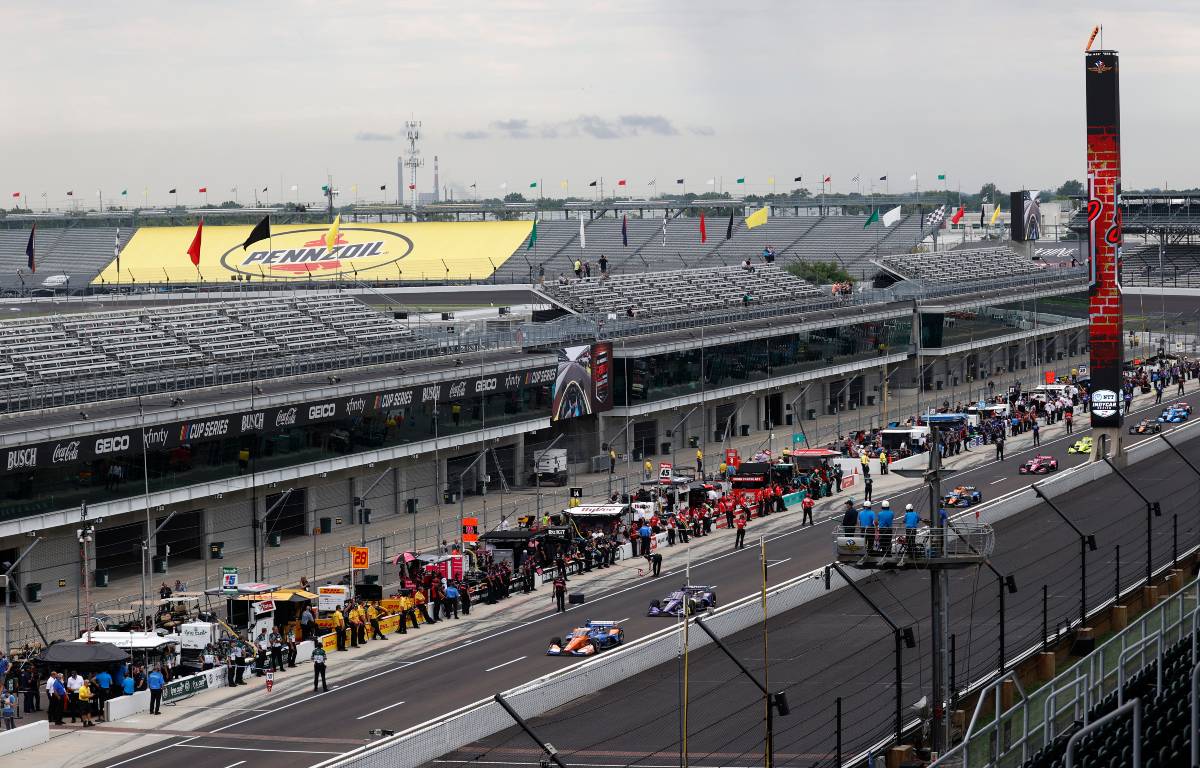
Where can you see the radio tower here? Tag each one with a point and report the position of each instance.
(436, 189)
(412, 132)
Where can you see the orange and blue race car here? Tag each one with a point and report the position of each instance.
(1145, 427)
(962, 496)
(588, 640)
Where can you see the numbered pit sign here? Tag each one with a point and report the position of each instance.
(229, 579)
(360, 558)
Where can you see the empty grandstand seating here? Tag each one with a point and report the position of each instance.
(960, 265)
(1166, 740)
(838, 239)
(80, 252)
(94, 345)
(683, 290)
(1180, 265)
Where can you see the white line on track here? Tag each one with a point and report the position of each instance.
(151, 752)
(505, 664)
(259, 749)
(622, 621)
(235, 765)
(381, 709)
(1001, 480)
(778, 562)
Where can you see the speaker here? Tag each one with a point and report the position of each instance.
(575, 598)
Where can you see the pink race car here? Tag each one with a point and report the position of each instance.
(1039, 465)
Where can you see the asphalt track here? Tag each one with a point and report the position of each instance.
(833, 646)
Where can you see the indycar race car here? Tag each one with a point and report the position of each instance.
(1041, 465)
(1173, 415)
(692, 598)
(962, 496)
(588, 640)
(1184, 406)
(1082, 445)
(1145, 427)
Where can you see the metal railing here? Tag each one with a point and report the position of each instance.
(1041, 716)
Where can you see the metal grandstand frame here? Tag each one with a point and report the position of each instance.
(1040, 716)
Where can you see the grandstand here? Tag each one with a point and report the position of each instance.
(685, 290)
(841, 239)
(93, 346)
(79, 252)
(959, 265)
(1179, 265)
(1152, 663)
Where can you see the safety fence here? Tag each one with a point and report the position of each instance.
(1042, 716)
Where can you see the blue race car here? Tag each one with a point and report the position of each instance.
(1173, 415)
(693, 599)
(588, 640)
(962, 496)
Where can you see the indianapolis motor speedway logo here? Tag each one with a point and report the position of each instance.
(303, 254)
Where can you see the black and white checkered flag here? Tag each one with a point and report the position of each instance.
(934, 220)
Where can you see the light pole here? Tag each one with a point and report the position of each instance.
(8, 591)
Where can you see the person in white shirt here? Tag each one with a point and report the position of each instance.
(74, 683)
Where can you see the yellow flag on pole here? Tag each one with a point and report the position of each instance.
(757, 219)
(331, 237)
(995, 215)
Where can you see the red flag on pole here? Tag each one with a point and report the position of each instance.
(194, 249)
(703, 231)
(204, 190)
(957, 217)
(16, 194)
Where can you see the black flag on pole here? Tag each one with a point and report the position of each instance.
(729, 227)
(261, 231)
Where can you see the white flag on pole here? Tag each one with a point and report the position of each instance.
(582, 235)
(710, 182)
(891, 217)
(664, 230)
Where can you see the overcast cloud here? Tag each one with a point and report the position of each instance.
(133, 94)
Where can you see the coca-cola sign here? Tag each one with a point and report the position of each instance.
(65, 452)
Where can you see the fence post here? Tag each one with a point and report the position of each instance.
(1045, 616)
(838, 729)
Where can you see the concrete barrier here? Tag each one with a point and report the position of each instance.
(24, 737)
(126, 706)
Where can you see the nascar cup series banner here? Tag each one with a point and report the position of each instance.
(116, 446)
(1104, 235)
(420, 251)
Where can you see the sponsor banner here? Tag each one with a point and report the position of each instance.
(329, 642)
(331, 597)
(299, 253)
(262, 421)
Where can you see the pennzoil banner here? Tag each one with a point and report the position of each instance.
(367, 252)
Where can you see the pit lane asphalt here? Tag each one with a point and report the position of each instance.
(809, 640)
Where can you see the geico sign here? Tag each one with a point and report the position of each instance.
(485, 385)
(112, 444)
(323, 411)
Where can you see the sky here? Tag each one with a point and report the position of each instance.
(145, 96)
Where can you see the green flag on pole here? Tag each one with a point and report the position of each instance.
(532, 236)
(124, 191)
(874, 217)
(533, 185)
(741, 180)
(941, 177)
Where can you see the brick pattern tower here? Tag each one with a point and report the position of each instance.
(1105, 335)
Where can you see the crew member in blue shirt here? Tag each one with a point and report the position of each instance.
(886, 519)
(911, 521)
(104, 682)
(866, 524)
(155, 682)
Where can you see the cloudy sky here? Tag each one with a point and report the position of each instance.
(135, 94)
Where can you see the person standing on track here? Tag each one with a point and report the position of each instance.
(807, 505)
(740, 541)
(1067, 419)
(866, 525)
(560, 594)
(1037, 433)
(867, 483)
(1000, 445)
(911, 521)
(318, 660)
(849, 517)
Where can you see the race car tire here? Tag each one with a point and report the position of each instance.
(656, 604)
(621, 637)
(1042, 470)
(693, 607)
(557, 641)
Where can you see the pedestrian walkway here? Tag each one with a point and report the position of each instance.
(325, 557)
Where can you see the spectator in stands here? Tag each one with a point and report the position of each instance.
(578, 267)
(747, 265)
(587, 269)
(541, 277)
(768, 255)
(603, 265)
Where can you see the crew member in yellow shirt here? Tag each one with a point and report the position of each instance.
(339, 629)
(373, 615)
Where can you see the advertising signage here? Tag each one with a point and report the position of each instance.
(105, 445)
